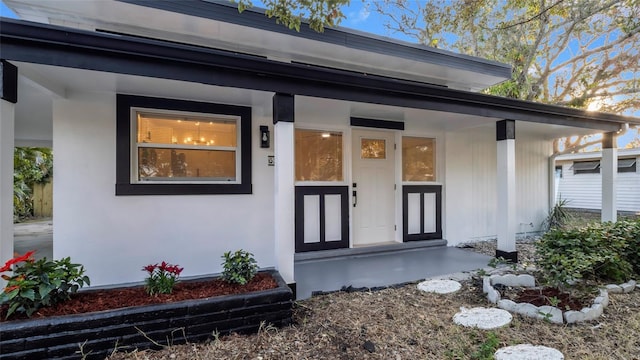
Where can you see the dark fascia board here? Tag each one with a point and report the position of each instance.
(255, 18)
(59, 46)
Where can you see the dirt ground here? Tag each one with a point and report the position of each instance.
(404, 323)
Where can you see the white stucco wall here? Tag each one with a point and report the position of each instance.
(115, 236)
(470, 183)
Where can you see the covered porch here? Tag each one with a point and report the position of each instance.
(381, 266)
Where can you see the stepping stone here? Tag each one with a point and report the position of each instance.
(528, 351)
(482, 318)
(439, 286)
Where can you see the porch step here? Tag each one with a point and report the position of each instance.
(369, 250)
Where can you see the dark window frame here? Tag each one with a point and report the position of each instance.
(124, 185)
(593, 170)
(630, 168)
(559, 170)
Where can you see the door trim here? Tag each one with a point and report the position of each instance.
(300, 193)
(377, 124)
(421, 189)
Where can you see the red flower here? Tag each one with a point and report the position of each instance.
(9, 289)
(149, 268)
(25, 257)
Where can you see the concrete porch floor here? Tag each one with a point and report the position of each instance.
(382, 268)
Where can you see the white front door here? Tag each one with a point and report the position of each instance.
(373, 193)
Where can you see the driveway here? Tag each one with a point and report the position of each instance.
(34, 235)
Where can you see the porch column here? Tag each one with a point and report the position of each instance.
(506, 183)
(609, 173)
(9, 96)
(283, 117)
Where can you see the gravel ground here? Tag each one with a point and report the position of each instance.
(525, 248)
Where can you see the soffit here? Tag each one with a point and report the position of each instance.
(358, 51)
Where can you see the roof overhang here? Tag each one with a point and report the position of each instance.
(219, 25)
(57, 46)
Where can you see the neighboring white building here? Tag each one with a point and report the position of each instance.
(167, 117)
(579, 180)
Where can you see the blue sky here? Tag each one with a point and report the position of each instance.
(360, 17)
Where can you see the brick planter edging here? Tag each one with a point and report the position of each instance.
(99, 333)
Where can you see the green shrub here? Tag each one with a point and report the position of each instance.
(633, 250)
(239, 268)
(35, 284)
(597, 252)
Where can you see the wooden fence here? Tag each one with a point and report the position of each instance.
(43, 199)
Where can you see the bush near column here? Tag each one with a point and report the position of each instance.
(597, 252)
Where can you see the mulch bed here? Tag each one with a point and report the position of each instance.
(98, 300)
(547, 296)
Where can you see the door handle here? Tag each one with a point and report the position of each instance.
(355, 195)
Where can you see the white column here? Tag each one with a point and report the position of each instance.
(284, 199)
(609, 172)
(7, 124)
(283, 117)
(506, 190)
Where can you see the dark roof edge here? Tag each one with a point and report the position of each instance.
(255, 17)
(34, 42)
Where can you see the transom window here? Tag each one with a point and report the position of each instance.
(318, 155)
(418, 159)
(171, 147)
(185, 147)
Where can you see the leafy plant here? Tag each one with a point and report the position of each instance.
(162, 278)
(558, 217)
(496, 261)
(35, 284)
(239, 267)
(597, 252)
(487, 348)
(633, 250)
(31, 166)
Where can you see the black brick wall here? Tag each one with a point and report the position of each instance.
(192, 320)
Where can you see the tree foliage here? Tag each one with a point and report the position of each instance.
(582, 54)
(319, 13)
(31, 166)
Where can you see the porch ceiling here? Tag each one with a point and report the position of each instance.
(40, 84)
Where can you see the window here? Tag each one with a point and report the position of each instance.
(373, 149)
(167, 146)
(627, 165)
(559, 171)
(318, 155)
(586, 167)
(183, 147)
(418, 159)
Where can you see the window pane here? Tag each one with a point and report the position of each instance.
(372, 149)
(174, 129)
(318, 155)
(418, 159)
(157, 164)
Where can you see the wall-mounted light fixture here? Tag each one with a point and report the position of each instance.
(265, 138)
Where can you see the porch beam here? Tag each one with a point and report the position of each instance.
(52, 45)
(609, 173)
(284, 186)
(506, 190)
(9, 96)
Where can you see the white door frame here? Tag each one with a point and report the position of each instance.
(391, 155)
